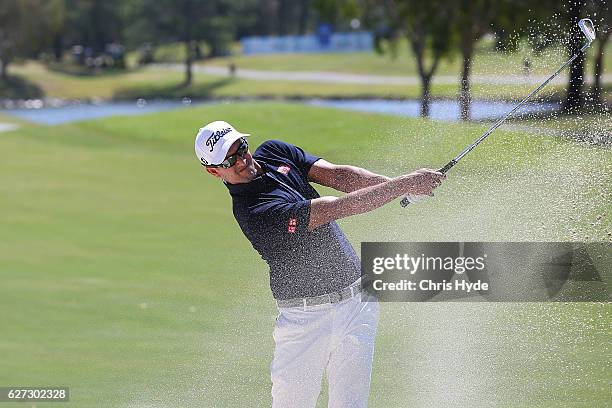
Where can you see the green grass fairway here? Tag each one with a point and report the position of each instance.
(486, 61)
(125, 277)
(36, 80)
(166, 83)
(57, 84)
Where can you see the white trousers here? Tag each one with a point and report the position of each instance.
(336, 338)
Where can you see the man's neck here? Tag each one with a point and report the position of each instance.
(259, 169)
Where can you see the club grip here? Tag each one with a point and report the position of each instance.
(411, 199)
(448, 166)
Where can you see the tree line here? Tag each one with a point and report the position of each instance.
(434, 29)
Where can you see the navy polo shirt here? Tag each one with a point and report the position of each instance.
(273, 211)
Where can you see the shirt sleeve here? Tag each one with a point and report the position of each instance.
(301, 159)
(281, 217)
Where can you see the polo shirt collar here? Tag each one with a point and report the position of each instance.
(257, 185)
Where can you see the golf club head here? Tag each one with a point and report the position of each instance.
(586, 25)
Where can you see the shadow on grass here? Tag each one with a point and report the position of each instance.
(15, 87)
(172, 91)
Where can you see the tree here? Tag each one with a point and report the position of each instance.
(574, 99)
(56, 18)
(426, 25)
(328, 10)
(551, 22)
(94, 23)
(293, 16)
(304, 16)
(24, 30)
(511, 19)
(190, 22)
(9, 34)
(599, 13)
(285, 17)
(166, 21)
(563, 17)
(265, 18)
(471, 20)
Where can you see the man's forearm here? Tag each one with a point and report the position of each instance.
(350, 178)
(326, 209)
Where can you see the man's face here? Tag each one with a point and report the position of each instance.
(243, 171)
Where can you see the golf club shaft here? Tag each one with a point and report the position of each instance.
(497, 124)
(408, 199)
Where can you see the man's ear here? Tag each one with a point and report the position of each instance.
(213, 171)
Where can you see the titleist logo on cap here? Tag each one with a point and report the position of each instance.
(214, 138)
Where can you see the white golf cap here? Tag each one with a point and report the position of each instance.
(214, 140)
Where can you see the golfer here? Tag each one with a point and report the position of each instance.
(323, 324)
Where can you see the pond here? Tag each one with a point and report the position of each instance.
(444, 110)
(34, 111)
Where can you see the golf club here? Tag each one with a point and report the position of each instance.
(587, 28)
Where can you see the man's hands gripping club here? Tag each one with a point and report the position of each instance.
(424, 181)
(377, 191)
